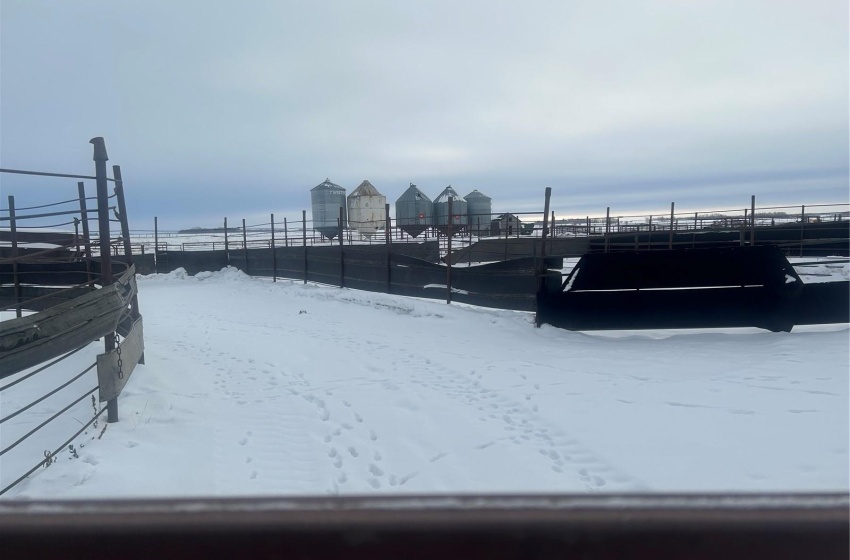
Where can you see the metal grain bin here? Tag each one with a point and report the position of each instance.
(479, 208)
(414, 211)
(367, 209)
(327, 198)
(441, 211)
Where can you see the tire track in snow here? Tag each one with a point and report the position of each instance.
(523, 426)
(262, 442)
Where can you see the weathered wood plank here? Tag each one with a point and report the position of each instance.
(112, 376)
(36, 338)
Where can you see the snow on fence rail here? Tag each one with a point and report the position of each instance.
(64, 298)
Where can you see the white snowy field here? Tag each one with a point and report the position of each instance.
(260, 388)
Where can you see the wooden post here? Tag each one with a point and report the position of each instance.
(100, 159)
(285, 233)
(274, 255)
(672, 217)
(753, 221)
(449, 254)
(802, 228)
(84, 217)
(304, 240)
(587, 225)
(245, 245)
(13, 237)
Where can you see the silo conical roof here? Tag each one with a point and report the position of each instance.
(325, 185)
(476, 194)
(449, 192)
(413, 194)
(365, 189)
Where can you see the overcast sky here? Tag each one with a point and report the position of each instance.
(217, 108)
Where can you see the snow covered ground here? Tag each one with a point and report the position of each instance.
(260, 388)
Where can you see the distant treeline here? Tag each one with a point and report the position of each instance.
(208, 230)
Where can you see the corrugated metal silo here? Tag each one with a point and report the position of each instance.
(414, 211)
(479, 208)
(441, 211)
(367, 209)
(327, 198)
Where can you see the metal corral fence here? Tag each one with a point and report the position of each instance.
(805, 230)
(499, 266)
(60, 296)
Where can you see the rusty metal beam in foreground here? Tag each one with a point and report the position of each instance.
(587, 526)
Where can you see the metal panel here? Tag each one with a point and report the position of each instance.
(110, 376)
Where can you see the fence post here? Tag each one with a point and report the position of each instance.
(607, 229)
(545, 226)
(649, 235)
(541, 266)
(125, 233)
(84, 216)
(753, 221)
(694, 238)
(274, 255)
(135, 313)
(100, 159)
(672, 217)
(304, 240)
(13, 235)
(122, 213)
(285, 233)
(156, 244)
(245, 245)
(387, 227)
(802, 228)
(449, 254)
(341, 252)
(226, 243)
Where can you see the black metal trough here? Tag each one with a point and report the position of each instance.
(690, 288)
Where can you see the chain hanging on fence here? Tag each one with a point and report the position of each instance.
(118, 351)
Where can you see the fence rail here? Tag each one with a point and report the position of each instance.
(818, 229)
